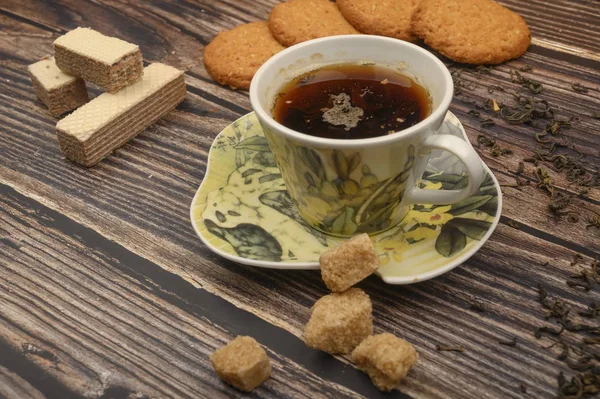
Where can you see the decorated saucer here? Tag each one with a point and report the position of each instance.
(243, 212)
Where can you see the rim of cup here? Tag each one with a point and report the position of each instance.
(266, 69)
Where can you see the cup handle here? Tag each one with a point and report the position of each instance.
(465, 153)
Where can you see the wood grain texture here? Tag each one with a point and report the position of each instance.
(14, 387)
(547, 21)
(98, 325)
(123, 330)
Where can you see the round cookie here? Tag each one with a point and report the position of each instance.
(297, 21)
(381, 17)
(234, 56)
(471, 31)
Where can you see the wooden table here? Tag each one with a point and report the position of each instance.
(105, 290)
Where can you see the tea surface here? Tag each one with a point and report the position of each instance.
(351, 101)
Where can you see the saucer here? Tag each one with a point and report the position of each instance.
(243, 212)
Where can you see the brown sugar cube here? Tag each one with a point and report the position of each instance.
(242, 363)
(386, 358)
(110, 120)
(109, 62)
(58, 91)
(340, 321)
(349, 263)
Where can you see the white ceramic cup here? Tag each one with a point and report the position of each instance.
(345, 187)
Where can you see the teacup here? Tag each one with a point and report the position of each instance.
(346, 187)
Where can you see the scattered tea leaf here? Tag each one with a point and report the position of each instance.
(525, 68)
(581, 364)
(526, 109)
(497, 151)
(465, 100)
(532, 85)
(557, 124)
(487, 122)
(496, 108)
(560, 202)
(485, 141)
(576, 259)
(592, 311)
(593, 221)
(539, 138)
(488, 104)
(531, 160)
(538, 331)
(481, 70)
(544, 181)
(582, 280)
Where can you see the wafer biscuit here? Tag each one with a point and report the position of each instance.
(109, 62)
(58, 91)
(107, 122)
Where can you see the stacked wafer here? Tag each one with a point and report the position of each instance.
(134, 99)
(468, 31)
(95, 130)
(109, 62)
(58, 91)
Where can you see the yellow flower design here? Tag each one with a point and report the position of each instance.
(390, 249)
(420, 233)
(436, 216)
(316, 208)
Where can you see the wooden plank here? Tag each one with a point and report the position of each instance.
(572, 23)
(94, 322)
(502, 276)
(12, 386)
(139, 198)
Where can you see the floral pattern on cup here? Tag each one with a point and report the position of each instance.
(338, 193)
(347, 202)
